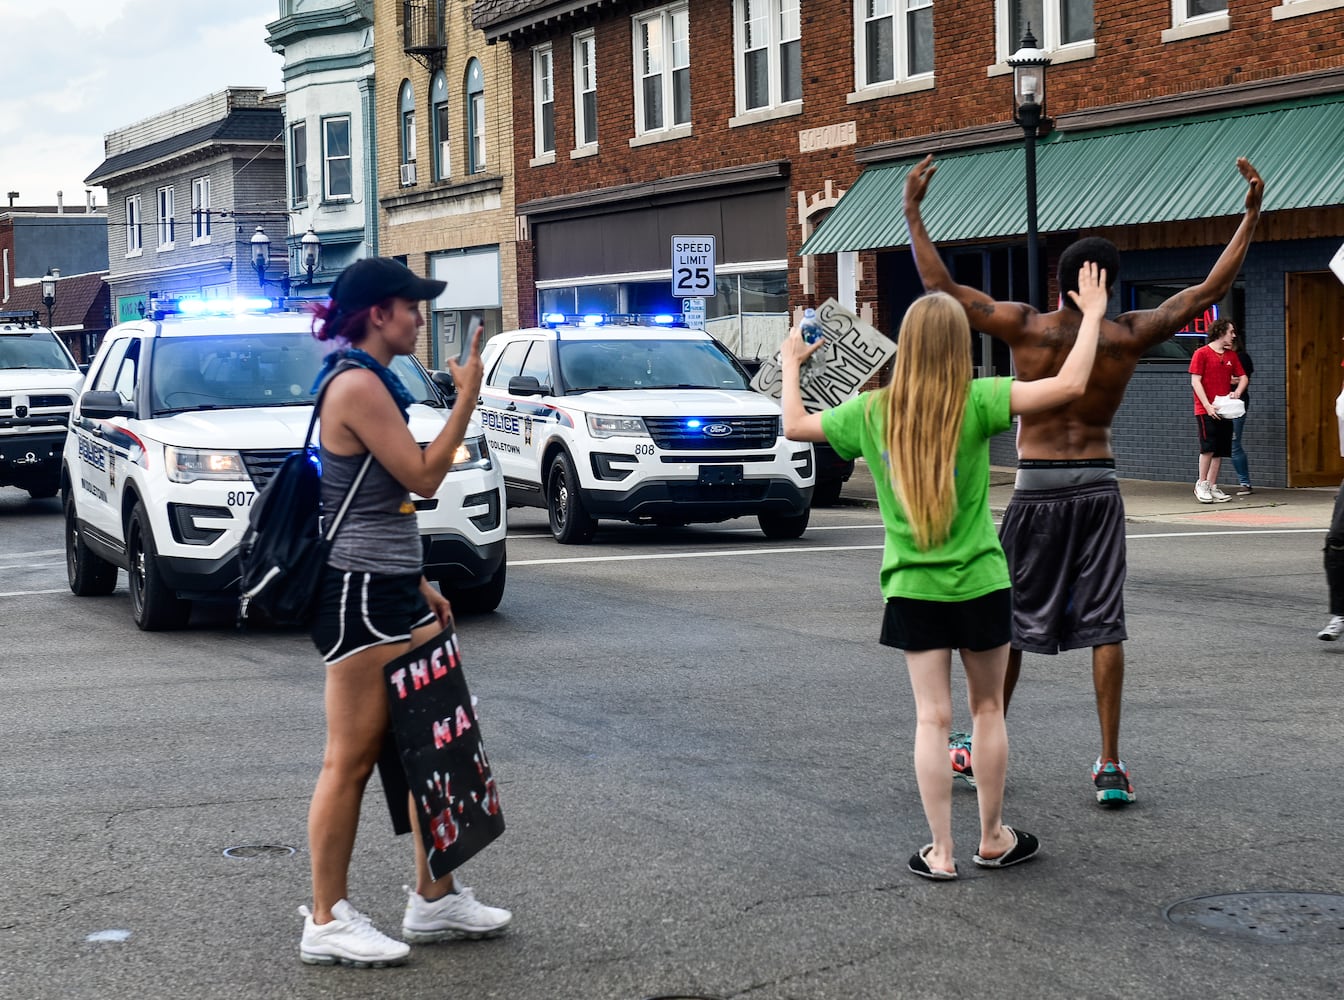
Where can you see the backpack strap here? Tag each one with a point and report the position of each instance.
(346, 500)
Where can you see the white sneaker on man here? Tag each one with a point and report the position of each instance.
(1218, 495)
(1202, 492)
(458, 914)
(1334, 628)
(348, 939)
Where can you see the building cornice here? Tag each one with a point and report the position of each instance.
(772, 173)
(355, 16)
(444, 192)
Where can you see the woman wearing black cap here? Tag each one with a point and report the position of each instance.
(375, 603)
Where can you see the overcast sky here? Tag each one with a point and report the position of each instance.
(77, 69)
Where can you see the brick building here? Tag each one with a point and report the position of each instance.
(778, 127)
(446, 163)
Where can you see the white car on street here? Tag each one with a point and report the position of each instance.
(38, 384)
(183, 419)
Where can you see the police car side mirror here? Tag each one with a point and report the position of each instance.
(444, 382)
(526, 385)
(100, 405)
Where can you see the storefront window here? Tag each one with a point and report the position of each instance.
(1178, 349)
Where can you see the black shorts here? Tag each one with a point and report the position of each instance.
(356, 611)
(978, 624)
(1215, 436)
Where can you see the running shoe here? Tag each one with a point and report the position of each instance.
(1244, 490)
(959, 749)
(1218, 495)
(1112, 780)
(348, 939)
(1334, 628)
(1202, 492)
(458, 914)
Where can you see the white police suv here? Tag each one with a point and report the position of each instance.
(609, 417)
(183, 419)
(38, 384)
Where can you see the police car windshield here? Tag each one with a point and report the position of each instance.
(587, 365)
(233, 370)
(33, 349)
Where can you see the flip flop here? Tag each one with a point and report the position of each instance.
(920, 866)
(1025, 847)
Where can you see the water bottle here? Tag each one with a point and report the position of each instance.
(810, 327)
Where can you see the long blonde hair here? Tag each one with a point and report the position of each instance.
(925, 403)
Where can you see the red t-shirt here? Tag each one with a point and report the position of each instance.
(1216, 371)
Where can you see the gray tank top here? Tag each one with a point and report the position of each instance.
(379, 533)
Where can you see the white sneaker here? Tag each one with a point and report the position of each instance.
(1334, 628)
(349, 939)
(458, 914)
(1202, 492)
(1218, 495)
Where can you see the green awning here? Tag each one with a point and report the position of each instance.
(1165, 171)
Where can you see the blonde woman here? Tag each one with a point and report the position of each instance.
(944, 576)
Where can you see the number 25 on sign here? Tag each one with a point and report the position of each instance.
(692, 266)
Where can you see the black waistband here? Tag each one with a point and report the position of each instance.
(1066, 463)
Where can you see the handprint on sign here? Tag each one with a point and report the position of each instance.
(850, 355)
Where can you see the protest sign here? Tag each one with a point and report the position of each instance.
(436, 737)
(852, 353)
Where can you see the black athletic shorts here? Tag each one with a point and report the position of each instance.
(1215, 436)
(978, 624)
(356, 611)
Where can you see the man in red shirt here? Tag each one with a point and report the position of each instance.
(1212, 370)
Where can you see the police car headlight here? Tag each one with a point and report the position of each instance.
(473, 453)
(187, 465)
(600, 425)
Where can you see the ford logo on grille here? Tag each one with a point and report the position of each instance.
(718, 430)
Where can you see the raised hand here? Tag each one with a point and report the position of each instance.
(917, 180)
(1091, 297)
(1255, 191)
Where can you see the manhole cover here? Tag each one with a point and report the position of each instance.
(1273, 917)
(247, 852)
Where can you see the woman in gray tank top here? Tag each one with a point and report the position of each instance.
(375, 603)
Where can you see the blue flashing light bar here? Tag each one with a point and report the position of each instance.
(556, 319)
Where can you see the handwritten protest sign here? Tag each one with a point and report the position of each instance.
(437, 739)
(852, 353)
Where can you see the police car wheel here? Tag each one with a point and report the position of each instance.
(483, 599)
(154, 605)
(88, 575)
(570, 522)
(783, 525)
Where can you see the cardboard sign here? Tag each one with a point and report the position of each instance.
(436, 737)
(852, 353)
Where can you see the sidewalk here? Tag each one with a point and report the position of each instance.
(1162, 503)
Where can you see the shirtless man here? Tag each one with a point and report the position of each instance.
(1063, 531)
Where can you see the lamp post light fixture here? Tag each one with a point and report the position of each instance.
(1029, 65)
(312, 248)
(261, 258)
(49, 291)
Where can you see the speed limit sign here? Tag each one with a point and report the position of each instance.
(692, 266)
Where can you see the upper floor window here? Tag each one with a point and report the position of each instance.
(1053, 23)
(1188, 10)
(298, 160)
(543, 100)
(895, 40)
(200, 210)
(439, 127)
(167, 224)
(337, 170)
(475, 88)
(134, 223)
(407, 112)
(585, 89)
(662, 69)
(1192, 18)
(769, 70)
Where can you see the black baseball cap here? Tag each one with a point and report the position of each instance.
(373, 280)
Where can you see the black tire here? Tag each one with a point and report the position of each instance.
(570, 523)
(154, 605)
(826, 493)
(483, 599)
(89, 575)
(784, 525)
(45, 490)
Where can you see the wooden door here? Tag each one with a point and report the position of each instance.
(1314, 324)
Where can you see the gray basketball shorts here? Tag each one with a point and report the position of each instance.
(1066, 555)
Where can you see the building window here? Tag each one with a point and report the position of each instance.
(298, 159)
(543, 100)
(167, 224)
(769, 72)
(439, 127)
(662, 69)
(585, 89)
(200, 210)
(1053, 23)
(1189, 10)
(337, 172)
(475, 89)
(134, 233)
(894, 40)
(406, 111)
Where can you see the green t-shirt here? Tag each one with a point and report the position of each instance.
(970, 563)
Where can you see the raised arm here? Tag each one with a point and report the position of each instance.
(799, 425)
(1152, 326)
(1071, 382)
(1005, 320)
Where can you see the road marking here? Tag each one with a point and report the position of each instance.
(31, 555)
(33, 565)
(691, 555)
(30, 593)
(1248, 531)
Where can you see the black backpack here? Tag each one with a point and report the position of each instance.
(284, 550)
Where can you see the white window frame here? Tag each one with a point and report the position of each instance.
(167, 225)
(902, 79)
(1185, 26)
(585, 83)
(327, 158)
(543, 97)
(135, 236)
(1298, 8)
(298, 143)
(775, 38)
(668, 67)
(200, 210)
(1047, 36)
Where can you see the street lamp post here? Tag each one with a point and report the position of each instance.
(312, 247)
(49, 291)
(261, 258)
(1029, 65)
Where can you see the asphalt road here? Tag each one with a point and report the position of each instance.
(705, 765)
